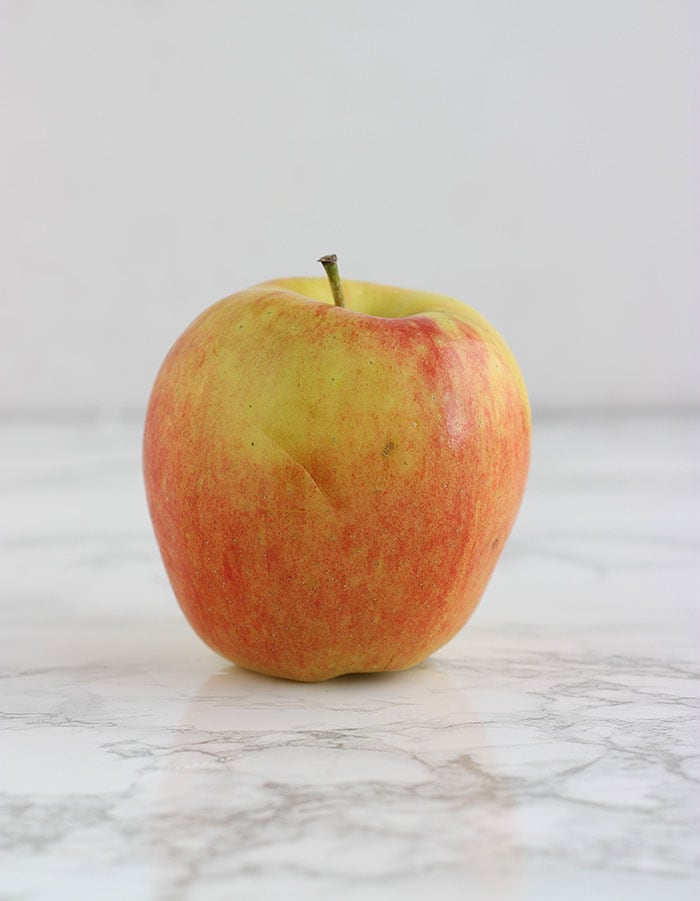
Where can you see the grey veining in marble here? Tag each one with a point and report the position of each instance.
(550, 751)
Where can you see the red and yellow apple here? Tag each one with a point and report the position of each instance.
(331, 486)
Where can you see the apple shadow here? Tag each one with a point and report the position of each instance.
(368, 678)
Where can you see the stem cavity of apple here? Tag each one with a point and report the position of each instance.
(330, 264)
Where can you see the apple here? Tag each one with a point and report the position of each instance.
(332, 470)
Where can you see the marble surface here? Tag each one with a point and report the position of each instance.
(550, 751)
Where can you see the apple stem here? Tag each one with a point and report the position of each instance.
(330, 264)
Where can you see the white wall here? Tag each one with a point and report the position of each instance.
(538, 159)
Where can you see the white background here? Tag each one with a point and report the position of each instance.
(537, 159)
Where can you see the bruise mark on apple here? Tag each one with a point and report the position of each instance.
(388, 448)
(300, 465)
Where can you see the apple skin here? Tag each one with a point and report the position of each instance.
(331, 487)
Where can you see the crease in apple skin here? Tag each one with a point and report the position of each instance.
(331, 487)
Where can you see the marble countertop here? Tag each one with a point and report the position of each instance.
(550, 751)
